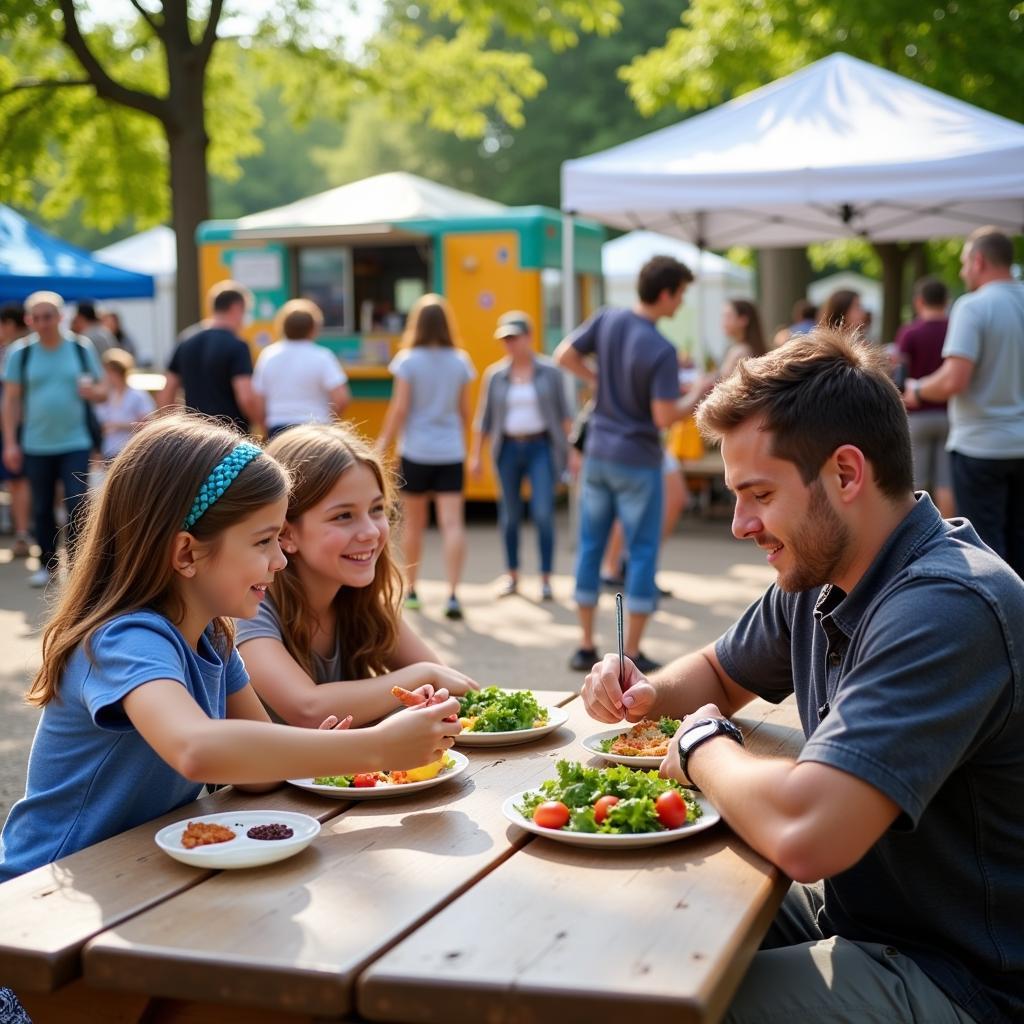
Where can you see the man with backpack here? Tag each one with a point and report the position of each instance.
(49, 427)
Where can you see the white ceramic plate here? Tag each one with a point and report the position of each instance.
(706, 820)
(593, 744)
(557, 717)
(384, 790)
(240, 852)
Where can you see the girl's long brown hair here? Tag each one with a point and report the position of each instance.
(123, 558)
(430, 323)
(837, 307)
(753, 336)
(367, 618)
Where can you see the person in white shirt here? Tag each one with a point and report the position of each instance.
(125, 407)
(295, 380)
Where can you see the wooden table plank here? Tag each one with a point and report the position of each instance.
(47, 915)
(294, 935)
(579, 935)
(771, 730)
(559, 935)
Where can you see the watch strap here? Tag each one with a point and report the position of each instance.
(722, 727)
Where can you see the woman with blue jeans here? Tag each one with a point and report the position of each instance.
(525, 415)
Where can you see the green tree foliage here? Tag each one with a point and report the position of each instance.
(127, 119)
(583, 108)
(970, 49)
(722, 48)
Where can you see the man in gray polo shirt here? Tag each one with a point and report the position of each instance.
(982, 375)
(901, 636)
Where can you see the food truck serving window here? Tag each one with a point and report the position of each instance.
(323, 275)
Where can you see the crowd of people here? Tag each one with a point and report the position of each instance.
(236, 611)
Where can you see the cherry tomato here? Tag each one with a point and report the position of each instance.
(603, 805)
(364, 780)
(671, 808)
(553, 814)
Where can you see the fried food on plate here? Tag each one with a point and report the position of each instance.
(204, 833)
(645, 739)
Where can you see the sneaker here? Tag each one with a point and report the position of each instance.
(644, 664)
(22, 546)
(508, 587)
(546, 593)
(412, 602)
(583, 660)
(40, 578)
(662, 592)
(453, 610)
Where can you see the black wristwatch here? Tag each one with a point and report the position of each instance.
(700, 732)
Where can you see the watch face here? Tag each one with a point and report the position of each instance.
(696, 734)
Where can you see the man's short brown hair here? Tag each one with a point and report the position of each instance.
(299, 319)
(818, 392)
(993, 244)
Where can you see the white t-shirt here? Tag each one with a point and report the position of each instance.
(296, 379)
(522, 413)
(131, 406)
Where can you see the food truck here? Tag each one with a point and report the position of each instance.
(366, 252)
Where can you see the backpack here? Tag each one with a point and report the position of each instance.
(92, 423)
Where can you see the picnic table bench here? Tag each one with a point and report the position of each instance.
(427, 907)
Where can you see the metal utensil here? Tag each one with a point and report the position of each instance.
(618, 634)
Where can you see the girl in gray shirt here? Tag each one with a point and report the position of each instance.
(330, 633)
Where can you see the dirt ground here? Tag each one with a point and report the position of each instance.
(516, 641)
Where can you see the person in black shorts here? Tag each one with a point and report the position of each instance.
(430, 413)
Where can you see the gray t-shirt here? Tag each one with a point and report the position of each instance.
(914, 683)
(986, 421)
(268, 624)
(433, 432)
(635, 364)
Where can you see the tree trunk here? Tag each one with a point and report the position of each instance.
(918, 261)
(190, 204)
(894, 258)
(783, 276)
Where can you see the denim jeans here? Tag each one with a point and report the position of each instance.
(533, 460)
(43, 472)
(990, 493)
(633, 495)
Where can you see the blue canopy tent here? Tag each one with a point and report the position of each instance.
(31, 260)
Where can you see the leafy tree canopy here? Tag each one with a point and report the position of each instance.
(722, 48)
(107, 162)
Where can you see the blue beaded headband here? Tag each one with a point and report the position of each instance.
(220, 479)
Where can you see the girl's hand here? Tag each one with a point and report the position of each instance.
(331, 722)
(418, 736)
(442, 677)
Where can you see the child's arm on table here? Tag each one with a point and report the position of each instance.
(285, 686)
(249, 751)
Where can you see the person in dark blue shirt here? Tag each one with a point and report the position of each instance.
(901, 636)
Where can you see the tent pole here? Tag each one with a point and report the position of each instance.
(568, 323)
(568, 272)
(699, 354)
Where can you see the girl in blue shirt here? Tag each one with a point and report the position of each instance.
(144, 697)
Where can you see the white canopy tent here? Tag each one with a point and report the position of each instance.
(840, 148)
(149, 322)
(371, 204)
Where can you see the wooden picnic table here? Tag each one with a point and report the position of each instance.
(427, 907)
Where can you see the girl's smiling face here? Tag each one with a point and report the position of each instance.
(233, 579)
(341, 537)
